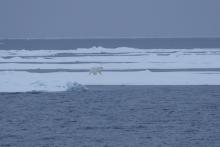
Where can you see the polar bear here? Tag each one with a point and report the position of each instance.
(96, 70)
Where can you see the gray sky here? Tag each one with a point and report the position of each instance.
(109, 18)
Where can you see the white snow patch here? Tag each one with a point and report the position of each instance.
(24, 81)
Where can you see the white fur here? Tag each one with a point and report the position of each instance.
(96, 70)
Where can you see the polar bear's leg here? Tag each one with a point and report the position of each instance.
(95, 71)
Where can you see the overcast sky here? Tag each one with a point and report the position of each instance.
(109, 18)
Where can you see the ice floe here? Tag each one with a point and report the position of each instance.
(127, 66)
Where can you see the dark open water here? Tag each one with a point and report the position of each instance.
(113, 116)
(141, 43)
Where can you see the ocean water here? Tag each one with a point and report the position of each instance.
(112, 116)
(141, 43)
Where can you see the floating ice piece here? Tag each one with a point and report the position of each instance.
(74, 86)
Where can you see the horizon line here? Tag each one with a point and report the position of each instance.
(53, 38)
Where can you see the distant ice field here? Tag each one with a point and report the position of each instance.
(51, 70)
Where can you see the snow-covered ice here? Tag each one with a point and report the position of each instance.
(24, 81)
(125, 73)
